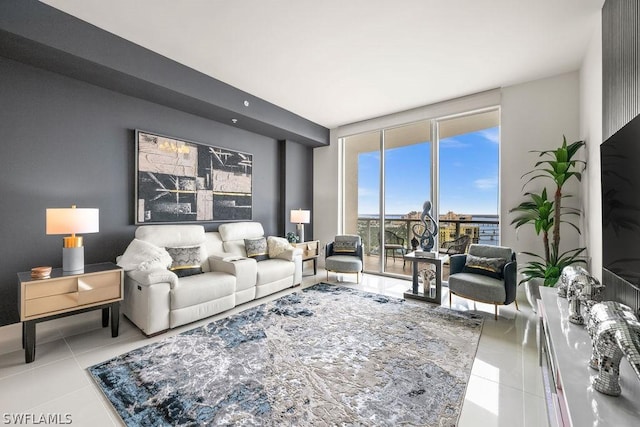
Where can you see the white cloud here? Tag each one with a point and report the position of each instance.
(452, 143)
(492, 134)
(485, 183)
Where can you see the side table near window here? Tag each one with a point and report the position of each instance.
(100, 286)
(311, 251)
(434, 294)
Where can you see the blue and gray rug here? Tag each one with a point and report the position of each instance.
(325, 355)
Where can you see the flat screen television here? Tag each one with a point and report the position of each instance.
(620, 163)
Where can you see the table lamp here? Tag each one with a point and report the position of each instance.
(71, 221)
(300, 218)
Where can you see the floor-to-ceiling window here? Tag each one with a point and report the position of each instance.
(389, 174)
(469, 152)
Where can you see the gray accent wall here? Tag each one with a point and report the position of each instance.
(72, 96)
(64, 142)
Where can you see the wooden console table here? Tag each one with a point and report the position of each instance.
(60, 295)
(311, 251)
(565, 349)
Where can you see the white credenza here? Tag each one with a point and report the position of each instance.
(565, 349)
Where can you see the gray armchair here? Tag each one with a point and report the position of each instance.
(344, 255)
(486, 274)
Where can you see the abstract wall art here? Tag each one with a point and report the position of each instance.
(185, 181)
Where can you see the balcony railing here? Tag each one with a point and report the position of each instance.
(485, 231)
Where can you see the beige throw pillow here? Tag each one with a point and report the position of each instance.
(277, 246)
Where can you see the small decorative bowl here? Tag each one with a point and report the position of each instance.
(40, 272)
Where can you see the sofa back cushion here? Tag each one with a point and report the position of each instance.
(171, 235)
(233, 235)
(175, 236)
(234, 231)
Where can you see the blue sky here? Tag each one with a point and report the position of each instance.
(468, 176)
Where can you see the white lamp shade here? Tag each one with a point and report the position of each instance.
(300, 217)
(72, 221)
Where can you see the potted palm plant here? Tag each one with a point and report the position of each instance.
(546, 215)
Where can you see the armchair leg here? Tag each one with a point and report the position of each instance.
(327, 275)
(495, 314)
(449, 299)
(517, 308)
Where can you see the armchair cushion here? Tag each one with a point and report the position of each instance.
(479, 287)
(343, 263)
(491, 267)
(256, 248)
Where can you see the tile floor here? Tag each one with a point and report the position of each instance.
(505, 388)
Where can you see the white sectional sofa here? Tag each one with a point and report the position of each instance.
(156, 299)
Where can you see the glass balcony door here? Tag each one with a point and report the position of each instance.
(469, 154)
(387, 178)
(407, 181)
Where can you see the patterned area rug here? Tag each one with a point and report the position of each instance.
(325, 355)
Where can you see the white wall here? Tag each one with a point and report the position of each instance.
(535, 115)
(591, 132)
(327, 193)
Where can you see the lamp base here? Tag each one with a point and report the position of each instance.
(300, 230)
(73, 260)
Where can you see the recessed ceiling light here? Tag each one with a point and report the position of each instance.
(234, 121)
(246, 103)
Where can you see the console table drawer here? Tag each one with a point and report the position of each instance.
(53, 287)
(98, 294)
(50, 304)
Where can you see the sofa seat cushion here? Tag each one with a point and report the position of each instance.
(478, 287)
(343, 263)
(271, 270)
(202, 288)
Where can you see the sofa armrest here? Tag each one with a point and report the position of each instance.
(151, 277)
(289, 254)
(245, 270)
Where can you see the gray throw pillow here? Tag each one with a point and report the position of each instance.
(491, 267)
(256, 248)
(345, 246)
(186, 260)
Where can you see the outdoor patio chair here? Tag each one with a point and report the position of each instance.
(395, 244)
(456, 246)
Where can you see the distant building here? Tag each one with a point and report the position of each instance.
(451, 230)
(412, 215)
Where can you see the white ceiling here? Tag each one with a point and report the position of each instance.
(336, 62)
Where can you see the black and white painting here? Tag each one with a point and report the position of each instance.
(184, 181)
